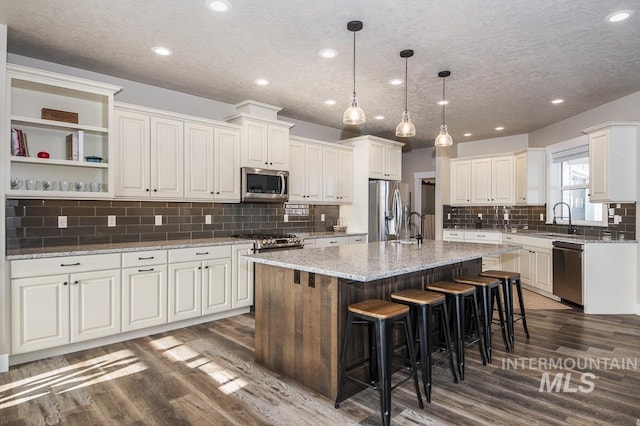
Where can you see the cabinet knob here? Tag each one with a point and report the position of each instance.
(147, 189)
(65, 283)
(266, 163)
(211, 192)
(218, 192)
(199, 267)
(155, 190)
(76, 282)
(271, 164)
(206, 267)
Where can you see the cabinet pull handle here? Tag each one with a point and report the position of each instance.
(146, 258)
(202, 253)
(70, 264)
(333, 242)
(146, 270)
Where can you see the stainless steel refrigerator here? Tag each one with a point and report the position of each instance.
(388, 210)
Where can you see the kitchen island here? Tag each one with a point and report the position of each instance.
(302, 296)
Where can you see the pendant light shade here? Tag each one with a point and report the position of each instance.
(444, 138)
(354, 114)
(405, 128)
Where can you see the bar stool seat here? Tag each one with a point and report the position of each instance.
(488, 291)
(379, 315)
(508, 279)
(422, 304)
(457, 294)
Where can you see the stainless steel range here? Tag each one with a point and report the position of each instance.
(272, 242)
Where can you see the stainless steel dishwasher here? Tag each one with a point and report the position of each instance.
(567, 271)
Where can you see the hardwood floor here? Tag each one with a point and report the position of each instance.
(205, 375)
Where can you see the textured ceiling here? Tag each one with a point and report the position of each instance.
(508, 58)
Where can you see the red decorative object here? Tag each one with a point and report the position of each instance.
(43, 154)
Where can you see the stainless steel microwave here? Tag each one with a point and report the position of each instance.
(264, 186)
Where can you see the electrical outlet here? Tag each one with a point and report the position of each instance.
(541, 217)
(286, 218)
(158, 220)
(111, 221)
(448, 216)
(322, 217)
(480, 216)
(62, 221)
(207, 219)
(506, 216)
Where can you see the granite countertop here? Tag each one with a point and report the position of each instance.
(577, 238)
(373, 261)
(76, 250)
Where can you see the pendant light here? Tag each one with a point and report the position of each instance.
(444, 138)
(405, 128)
(354, 114)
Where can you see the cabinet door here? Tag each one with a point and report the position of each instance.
(242, 282)
(313, 169)
(227, 165)
(278, 146)
(394, 163)
(95, 304)
(255, 145)
(330, 174)
(525, 261)
(376, 161)
(460, 182)
(133, 163)
(167, 158)
(521, 178)
(599, 185)
(481, 181)
(297, 176)
(39, 313)
(502, 180)
(543, 270)
(216, 286)
(491, 263)
(144, 297)
(345, 176)
(185, 290)
(199, 159)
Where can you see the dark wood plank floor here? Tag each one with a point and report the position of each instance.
(205, 375)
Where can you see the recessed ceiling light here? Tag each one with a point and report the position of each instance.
(396, 82)
(499, 128)
(467, 135)
(330, 102)
(162, 51)
(262, 82)
(328, 53)
(557, 101)
(379, 117)
(218, 5)
(619, 16)
(443, 102)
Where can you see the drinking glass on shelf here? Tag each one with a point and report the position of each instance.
(80, 186)
(95, 187)
(33, 184)
(65, 185)
(48, 185)
(16, 183)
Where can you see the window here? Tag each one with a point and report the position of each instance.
(569, 183)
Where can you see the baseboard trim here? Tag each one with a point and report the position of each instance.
(4, 363)
(637, 308)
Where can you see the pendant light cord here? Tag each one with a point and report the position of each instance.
(406, 82)
(444, 101)
(354, 63)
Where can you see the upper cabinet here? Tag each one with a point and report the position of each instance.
(531, 170)
(612, 162)
(57, 121)
(337, 166)
(385, 161)
(482, 181)
(265, 139)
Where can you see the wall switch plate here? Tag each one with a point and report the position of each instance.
(207, 219)
(322, 217)
(158, 220)
(286, 218)
(111, 221)
(62, 221)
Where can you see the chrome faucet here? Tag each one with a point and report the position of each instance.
(420, 236)
(571, 229)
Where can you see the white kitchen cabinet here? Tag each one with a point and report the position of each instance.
(264, 143)
(385, 161)
(612, 162)
(57, 301)
(332, 241)
(185, 290)
(212, 161)
(530, 175)
(476, 236)
(492, 181)
(144, 296)
(535, 262)
(460, 182)
(358, 239)
(216, 286)
(510, 261)
(29, 91)
(305, 171)
(337, 174)
(150, 155)
(242, 280)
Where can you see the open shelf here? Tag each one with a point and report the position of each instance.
(54, 162)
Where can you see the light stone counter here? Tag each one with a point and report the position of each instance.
(555, 236)
(374, 261)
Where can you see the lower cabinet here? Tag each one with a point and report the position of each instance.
(216, 286)
(242, 290)
(95, 304)
(535, 268)
(144, 297)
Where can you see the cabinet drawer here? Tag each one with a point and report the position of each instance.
(199, 253)
(143, 258)
(330, 242)
(64, 265)
(482, 237)
(453, 235)
(359, 239)
(510, 239)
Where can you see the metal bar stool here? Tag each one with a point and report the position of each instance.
(381, 315)
(508, 279)
(487, 290)
(423, 304)
(457, 294)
